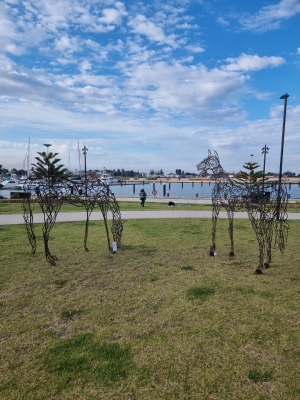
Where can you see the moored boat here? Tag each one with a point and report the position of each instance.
(105, 177)
(11, 184)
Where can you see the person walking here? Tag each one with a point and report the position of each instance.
(143, 196)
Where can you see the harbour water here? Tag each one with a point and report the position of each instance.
(181, 189)
(159, 189)
(172, 189)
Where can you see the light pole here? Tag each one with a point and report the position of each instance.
(48, 162)
(250, 175)
(47, 145)
(85, 150)
(264, 152)
(283, 97)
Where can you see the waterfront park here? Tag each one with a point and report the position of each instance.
(157, 319)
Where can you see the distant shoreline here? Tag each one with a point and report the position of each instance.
(285, 180)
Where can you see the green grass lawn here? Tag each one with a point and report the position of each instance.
(15, 208)
(159, 319)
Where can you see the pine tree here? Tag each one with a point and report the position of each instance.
(47, 168)
(250, 177)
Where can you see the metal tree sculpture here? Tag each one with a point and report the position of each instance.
(50, 197)
(265, 203)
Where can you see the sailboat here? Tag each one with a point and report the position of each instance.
(27, 160)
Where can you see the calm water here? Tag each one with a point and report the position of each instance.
(203, 190)
(174, 189)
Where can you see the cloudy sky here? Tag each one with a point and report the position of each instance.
(150, 84)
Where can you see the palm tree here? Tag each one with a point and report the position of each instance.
(46, 167)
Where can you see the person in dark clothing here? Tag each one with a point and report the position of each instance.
(143, 196)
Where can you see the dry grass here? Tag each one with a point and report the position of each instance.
(159, 319)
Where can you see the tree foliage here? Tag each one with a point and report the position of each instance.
(158, 172)
(289, 173)
(250, 176)
(47, 167)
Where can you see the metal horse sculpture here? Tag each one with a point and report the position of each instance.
(265, 203)
(50, 197)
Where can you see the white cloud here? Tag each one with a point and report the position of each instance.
(32, 22)
(133, 86)
(113, 15)
(110, 15)
(10, 39)
(138, 54)
(292, 111)
(222, 21)
(64, 43)
(187, 26)
(191, 90)
(195, 49)
(234, 145)
(248, 62)
(270, 17)
(65, 61)
(52, 15)
(169, 89)
(141, 25)
(6, 64)
(188, 59)
(170, 16)
(85, 65)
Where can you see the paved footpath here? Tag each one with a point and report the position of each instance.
(170, 212)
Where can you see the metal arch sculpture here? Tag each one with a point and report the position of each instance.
(50, 197)
(265, 203)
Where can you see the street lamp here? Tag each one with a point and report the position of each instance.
(283, 97)
(85, 150)
(251, 155)
(264, 152)
(47, 145)
(48, 162)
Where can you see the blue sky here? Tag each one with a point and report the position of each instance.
(150, 84)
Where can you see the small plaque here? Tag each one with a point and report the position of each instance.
(114, 246)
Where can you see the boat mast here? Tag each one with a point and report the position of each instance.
(79, 161)
(28, 158)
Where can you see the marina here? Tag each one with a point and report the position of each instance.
(183, 189)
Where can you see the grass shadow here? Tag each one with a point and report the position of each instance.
(200, 293)
(257, 376)
(83, 358)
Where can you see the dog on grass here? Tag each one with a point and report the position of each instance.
(171, 204)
